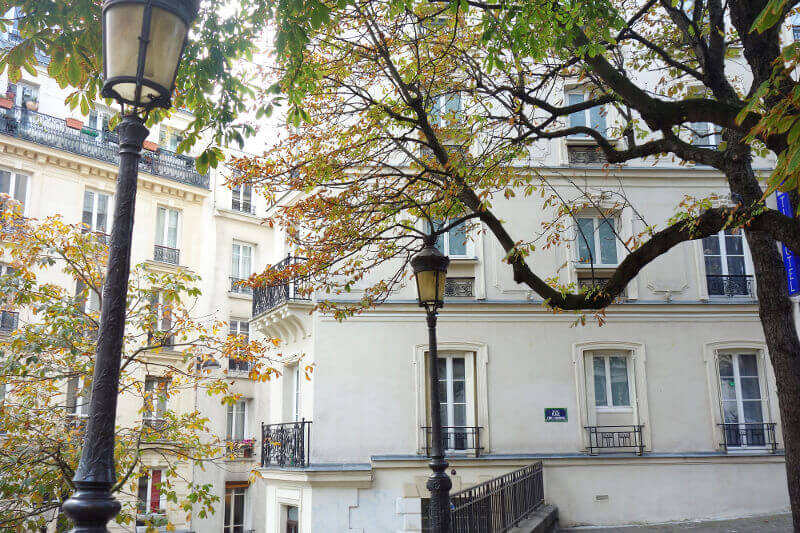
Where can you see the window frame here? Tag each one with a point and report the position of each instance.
(231, 425)
(161, 240)
(235, 327)
(229, 509)
(166, 134)
(763, 399)
(601, 111)
(298, 394)
(78, 397)
(238, 195)
(160, 404)
(94, 212)
(237, 266)
(442, 102)
(443, 240)
(19, 99)
(597, 220)
(148, 503)
(610, 407)
(12, 185)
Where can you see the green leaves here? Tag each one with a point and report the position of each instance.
(770, 16)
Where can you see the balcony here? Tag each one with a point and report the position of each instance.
(243, 206)
(268, 298)
(53, 132)
(10, 39)
(9, 320)
(237, 286)
(286, 444)
(165, 254)
(760, 436)
(615, 439)
(459, 440)
(240, 449)
(730, 286)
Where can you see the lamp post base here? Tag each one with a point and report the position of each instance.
(91, 507)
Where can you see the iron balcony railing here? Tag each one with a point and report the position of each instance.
(730, 286)
(268, 298)
(497, 505)
(9, 320)
(165, 254)
(758, 435)
(238, 365)
(243, 206)
(615, 438)
(238, 287)
(286, 444)
(11, 39)
(51, 131)
(456, 440)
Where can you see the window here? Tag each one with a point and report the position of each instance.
(236, 421)
(26, 92)
(242, 199)
(597, 241)
(297, 385)
(611, 381)
(96, 207)
(14, 184)
(455, 243)
(13, 14)
(166, 249)
(446, 109)
(162, 316)
(592, 118)
(169, 138)
(98, 124)
(79, 394)
(705, 134)
(743, 398)
(234, 507)
(155, 400)
(726, 266)
(241, 266)
(453, 400)
(150, 498)
(242, 329)
(90, 304)
(292, 519)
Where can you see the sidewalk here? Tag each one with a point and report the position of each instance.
(763, 524)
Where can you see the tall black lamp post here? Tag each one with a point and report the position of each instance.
(430, 271)
(143, 41)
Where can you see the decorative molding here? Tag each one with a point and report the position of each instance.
(289, 322)
(459, 287)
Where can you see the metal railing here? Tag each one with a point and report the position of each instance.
(243, 206)
(456, 439)
(9, 320)
(500, 504)
(268, 298)
(238, 365)
(51, 131)
(165, 254)
(730, 286)
(286, 444)
(237, 287)
(240, 449)
(615, 438)
(11, 39)
(758, 435)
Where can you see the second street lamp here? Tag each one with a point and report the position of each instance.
(143, 41)
(430, 272)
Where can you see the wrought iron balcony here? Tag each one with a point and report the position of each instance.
(741, 436)
(286, 444)
(240, 449)
(615, 438)
(10, 39)
(9, 320)
(730, 286)
(238, 287)
(101, 145)
(243, 206)
(165, 254)
(268, 298)
(456, 439)
(238, 365)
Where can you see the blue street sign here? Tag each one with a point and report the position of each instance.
(790, 261)
(555, 414)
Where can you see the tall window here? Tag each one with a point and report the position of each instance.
(150, 498)
(240, 328)
(453, 401)
(79, 394)
(291, 519)
(14, 184)
(96, 207)
(236, 421)
(241, 266)
(98, 122)
(742, 399)
(297, 397)
(162, 320)
(593, 117)
(167, 227)
(242, 198)
(234, 507)
(446, 109)
(169, 138)
(597, 241)
(726, 267)
(611, 381)
(155, 400)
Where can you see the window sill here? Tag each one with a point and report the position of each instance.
(240, 295)
(613, 409)
(461, 259)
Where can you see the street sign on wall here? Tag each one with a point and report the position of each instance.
(555, 414)
(791, 262)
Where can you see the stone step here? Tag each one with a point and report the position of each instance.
(542, 520)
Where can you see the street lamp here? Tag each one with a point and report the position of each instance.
(430, 272)
(143, 41)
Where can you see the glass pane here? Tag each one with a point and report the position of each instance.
(711, 245)
(172, 236)
(725, 365)
(443, 415)
(608, 242)
(457, 238)
(730, 412)
(597, 116)
(443, 391)
(88, 207)
(727, 388)
(458, 368)
(750, 389)
(585, 237)
(291, 513)
(459, 392)
(229, 427)
(600, 398)
(5, 182)
(246, 269)
(20, 187)
(578, 118)
(619, 381)
(235, 262)
(733, 243)
(239, 433)
(102, 213)
(752, 412)
(748, 365)
(460, 415)
(713, 265)
(161, 222)
(228, 502)
(442, 364)
(238, 508)
(736, 265)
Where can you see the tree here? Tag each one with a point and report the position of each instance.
(376, 150)
(50, 296)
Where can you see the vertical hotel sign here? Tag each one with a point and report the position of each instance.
(791, 262)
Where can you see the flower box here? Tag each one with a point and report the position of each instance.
(150, 145)
(74, 123)
(6, 103)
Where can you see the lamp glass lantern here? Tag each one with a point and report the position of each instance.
(430, 272)
(143, 41)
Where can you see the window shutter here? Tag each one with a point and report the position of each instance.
(155, 491)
